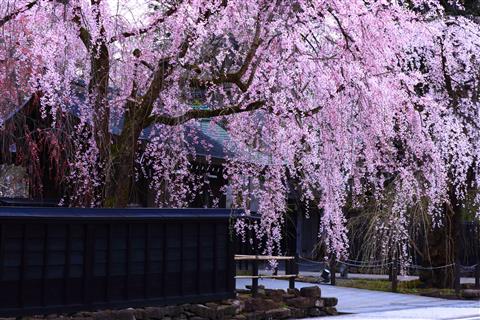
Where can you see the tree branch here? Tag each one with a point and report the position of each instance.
(446, 76)
(236, 77)
(198, 114)
(257, 41)
(14, 14)
(141, 31)
(156, 86)
(344, 32)
(84, 34)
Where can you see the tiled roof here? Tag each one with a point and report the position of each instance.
(207, 137)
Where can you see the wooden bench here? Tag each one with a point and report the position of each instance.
(291, 270)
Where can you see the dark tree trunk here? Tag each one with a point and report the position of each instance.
(119, 184)
(120, 179)
(442, 248)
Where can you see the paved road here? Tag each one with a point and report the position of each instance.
(376, 276)
(369, 276)
(470, 280)
(367, 304)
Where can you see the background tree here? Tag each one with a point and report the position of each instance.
(450, 79)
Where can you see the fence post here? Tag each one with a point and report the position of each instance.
(394, 274)
(457, 273)
(477, 275)
(390, 271)
(477, 255)
(255, 278)
(293, 270)
(333, 270)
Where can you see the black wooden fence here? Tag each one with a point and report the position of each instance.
(65, 260)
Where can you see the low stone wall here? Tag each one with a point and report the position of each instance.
(269, 304)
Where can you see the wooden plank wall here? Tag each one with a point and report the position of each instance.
(55, 266)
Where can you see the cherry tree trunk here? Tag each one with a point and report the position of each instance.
(442, 248)
(119, 180)
(118, 183)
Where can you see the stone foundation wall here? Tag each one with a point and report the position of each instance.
(269, 304)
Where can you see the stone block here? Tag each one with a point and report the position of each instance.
(257, 315)
(287, 296)
(82, 314)
(154, 313)
(257, 304)
(313, 292)
(162, 312)
(140, 314)
(319, 303)
(203, 311)
(293, 291)
(126, 314)
(471, 293)
(297, 313)
(330, 301)
(103, 315)
(330, 311)
(316, 312)
(304, 302)
(227, 310)
(180, 317)
(276, 295)
(280, 313)
(173, 311)
(239, 306)
(261, 292)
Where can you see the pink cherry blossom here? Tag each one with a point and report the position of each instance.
(319, 96)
